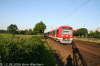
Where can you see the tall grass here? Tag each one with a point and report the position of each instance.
(30, 50)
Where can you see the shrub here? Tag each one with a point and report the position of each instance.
(30, 50)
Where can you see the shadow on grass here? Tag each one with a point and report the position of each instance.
(58, 60)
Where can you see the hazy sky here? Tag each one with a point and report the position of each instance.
(26, 13)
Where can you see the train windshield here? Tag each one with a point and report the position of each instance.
(66, 31)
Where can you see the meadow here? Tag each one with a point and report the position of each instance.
(25, 49)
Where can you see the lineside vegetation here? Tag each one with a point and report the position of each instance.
(26, 50)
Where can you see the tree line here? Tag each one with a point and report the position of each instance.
(38, 29)
(83, 32)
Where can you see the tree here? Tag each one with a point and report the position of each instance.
(3, 31)
(26, 32)
(12, 29)
(81, 32)
(94, 34)
(39, 28)
(21, 32)
(30, 31)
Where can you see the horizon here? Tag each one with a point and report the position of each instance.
(26, 13)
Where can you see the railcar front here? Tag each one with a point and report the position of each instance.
(65, 34)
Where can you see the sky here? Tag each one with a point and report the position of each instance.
(26, 13)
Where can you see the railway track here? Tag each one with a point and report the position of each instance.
(69, 55)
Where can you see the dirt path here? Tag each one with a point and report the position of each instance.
(90, 51)
(62, 50)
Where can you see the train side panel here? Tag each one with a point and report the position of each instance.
(64, 34)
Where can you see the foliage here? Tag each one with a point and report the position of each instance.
(39, 28)
(12, 29)
(30, 50)
(81, 32)
(95, 34)
(5, 35)
(30, 32)
(25, 32)
(3, 31)
(21, 32)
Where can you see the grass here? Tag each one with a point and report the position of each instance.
(89, 40)
(25, 49)
(8, 35)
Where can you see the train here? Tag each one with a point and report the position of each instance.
(63, 34)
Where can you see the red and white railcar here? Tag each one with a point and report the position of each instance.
(63, 34)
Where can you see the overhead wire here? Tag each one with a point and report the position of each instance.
(76, 9)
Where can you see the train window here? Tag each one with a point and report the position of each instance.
(66, 31)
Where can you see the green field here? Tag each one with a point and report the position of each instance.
(8, 35)
(25, 49)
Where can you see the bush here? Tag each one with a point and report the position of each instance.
(30, 50)
(82, 32)
(95, 34)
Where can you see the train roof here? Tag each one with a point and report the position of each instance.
(65, 27)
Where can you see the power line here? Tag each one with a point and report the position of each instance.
(76, 9)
